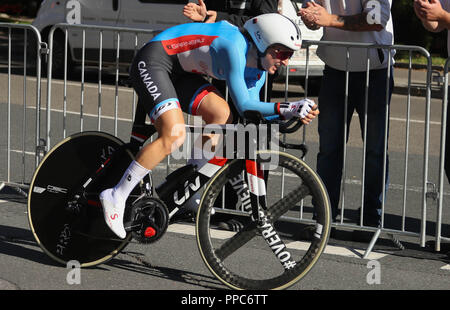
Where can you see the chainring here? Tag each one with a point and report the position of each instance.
(149, 218)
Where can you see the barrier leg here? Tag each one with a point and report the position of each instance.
(372, 243)
(21, 189)
(397, 242)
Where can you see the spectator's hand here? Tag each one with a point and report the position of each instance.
(308, 18)
(417, 5)
(304, 109)
(309, 21)
(428, 10)
(195, 12)
(315, 15)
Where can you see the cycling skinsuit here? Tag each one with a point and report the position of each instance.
(168, 72)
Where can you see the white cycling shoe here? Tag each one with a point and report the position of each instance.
(113, 211)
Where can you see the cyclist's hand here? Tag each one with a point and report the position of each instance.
(304, 109)
(311, 115)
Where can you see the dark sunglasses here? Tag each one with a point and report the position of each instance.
(282, 55)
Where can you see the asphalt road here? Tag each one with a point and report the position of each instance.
(174, 262)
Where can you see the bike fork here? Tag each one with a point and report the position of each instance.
(257, 189)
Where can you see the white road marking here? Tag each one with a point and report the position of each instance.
(77, 113)
(182, 229)
(296, 245)
(338, 250)
(446, 267)
(78, 84)
(26, 152)
(392, 118)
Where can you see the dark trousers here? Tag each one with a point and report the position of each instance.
(331, 132)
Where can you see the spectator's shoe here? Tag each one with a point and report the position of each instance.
(307, 233)
(371, 219)
(362, 236)
(231, 225)
(113, 210)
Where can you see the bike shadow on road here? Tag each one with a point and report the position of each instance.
(137, 262)
(19, 242)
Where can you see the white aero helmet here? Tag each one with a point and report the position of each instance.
(273, 28)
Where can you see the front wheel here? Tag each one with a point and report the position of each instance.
(270, 255)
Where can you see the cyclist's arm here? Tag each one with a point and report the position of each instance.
(245, 98)
(232, 64)
(256, 91)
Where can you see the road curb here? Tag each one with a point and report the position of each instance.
(5, 285)
(404, 65)
(417, 91)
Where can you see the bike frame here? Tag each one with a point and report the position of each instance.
(192, 180)
(183, 183)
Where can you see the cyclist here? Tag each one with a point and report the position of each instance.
(168, 75)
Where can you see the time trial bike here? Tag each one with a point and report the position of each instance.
(66, 218)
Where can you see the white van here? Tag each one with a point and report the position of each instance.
(141, 14)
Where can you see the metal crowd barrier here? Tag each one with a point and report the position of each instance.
(17, 120)
(402, 230)
(99, 33)
(442, 178)
(425, 193)
(113, 111)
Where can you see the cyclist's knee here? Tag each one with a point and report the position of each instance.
(173, 140)
(221, 114)
(230, 119)
(215, 110)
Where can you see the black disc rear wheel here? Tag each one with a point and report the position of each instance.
(77, 234)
